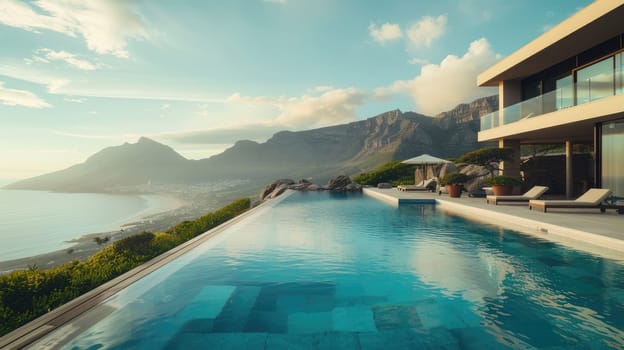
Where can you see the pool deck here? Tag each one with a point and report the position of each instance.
(585, 229)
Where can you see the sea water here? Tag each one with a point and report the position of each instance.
(37, 222)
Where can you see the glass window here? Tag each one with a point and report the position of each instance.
(612, 160)
(564, 93)
(595, 82)
(619, 73)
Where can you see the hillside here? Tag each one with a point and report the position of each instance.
(318, 153)
(128, 164)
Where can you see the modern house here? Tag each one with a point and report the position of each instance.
(566, 86)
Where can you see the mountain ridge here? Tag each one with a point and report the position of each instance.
(318, 153)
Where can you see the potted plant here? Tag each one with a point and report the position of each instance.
(502, 185)
(454, 183)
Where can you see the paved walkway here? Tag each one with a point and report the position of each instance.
(585, 229)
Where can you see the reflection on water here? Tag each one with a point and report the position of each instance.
(314, 270)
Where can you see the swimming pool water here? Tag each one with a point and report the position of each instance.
(330, 271)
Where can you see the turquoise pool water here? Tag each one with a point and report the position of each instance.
(348, 272)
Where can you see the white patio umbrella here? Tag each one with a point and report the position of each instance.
(425, 160)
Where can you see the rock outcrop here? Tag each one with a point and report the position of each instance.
(275, 188)
(343, 183)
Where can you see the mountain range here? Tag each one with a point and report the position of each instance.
(318, 153)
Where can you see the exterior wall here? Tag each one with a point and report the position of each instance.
(512, 167)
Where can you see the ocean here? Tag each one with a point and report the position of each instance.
(37, 222)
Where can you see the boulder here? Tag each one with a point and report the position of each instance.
(314, 187)
(477, 174)
(343, 183)
(353, 187)
(338, 184)
(278, 190)
(448, 168)
(268, 189)
(384, 185)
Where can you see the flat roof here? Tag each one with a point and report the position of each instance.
(593, 24)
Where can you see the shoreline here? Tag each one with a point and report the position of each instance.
(192, 202)
(152, 218)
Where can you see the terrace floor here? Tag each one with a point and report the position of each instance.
(585, 229)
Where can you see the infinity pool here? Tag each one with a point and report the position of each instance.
(326, 271)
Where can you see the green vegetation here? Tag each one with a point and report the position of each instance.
(502, 180)
(25, 295)
(395, 173)
(454, 179)
(488, 157)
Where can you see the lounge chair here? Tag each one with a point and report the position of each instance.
(593, 198)
(425, 185)
(533, 193)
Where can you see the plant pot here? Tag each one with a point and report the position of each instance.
(502, 190)
(454, 190)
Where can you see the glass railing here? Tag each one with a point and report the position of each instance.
(549, 102)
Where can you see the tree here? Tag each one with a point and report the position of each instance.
(488, 157)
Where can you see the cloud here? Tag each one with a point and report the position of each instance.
(104, 25)
(221, 136)
(387, 32)
(69, 58)
(322, 88)
(331, 107)
(74, 99)
(276, 1)
(420, 61)
(56, 86)
(440, 87)
(13, 97)
(425, 31)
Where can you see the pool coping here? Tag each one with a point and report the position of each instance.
(45, 324)
(571, 237)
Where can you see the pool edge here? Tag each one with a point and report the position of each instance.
(45, 324)
(570, 237)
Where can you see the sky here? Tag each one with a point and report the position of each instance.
(77, 76)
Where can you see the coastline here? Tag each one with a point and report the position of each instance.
(154, 217)
(191, 201)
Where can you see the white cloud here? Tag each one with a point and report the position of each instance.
(221, 136)
(440, 87)
(104, 25)
(165, 106)
(276, 1)
(420, 61)
(425, 31)
(13, 97)
(56, 86)
(67, 57)
(322, 88)
(387, 32)
(74, 100)
(332, 107)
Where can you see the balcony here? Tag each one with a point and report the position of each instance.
(565, 97)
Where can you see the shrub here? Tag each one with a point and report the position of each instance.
(392, 172)
(26, 295)
(488, 157)
(454, 179)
